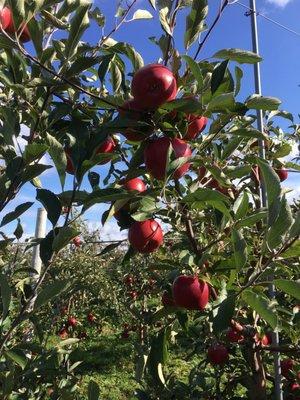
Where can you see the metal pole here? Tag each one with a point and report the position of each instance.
(40, 231)
(260, 125)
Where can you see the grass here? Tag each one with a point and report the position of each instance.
(109, 361)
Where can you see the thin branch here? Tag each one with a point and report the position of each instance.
(225, 3)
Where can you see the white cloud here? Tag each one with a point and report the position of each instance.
(279, 3)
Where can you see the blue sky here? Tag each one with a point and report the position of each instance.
(280, 74)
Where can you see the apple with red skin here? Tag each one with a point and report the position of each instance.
(196, 125)
(217, 354)
(282, 174)
(167, 300)
(7, 23)
(63, 333)
(131, 133)
(128, 280)
(153, 85)
(133, 294)
(234, 336)
(189, 292)
(287, 366)
(266, 340)
(146, 236)
(155, 155)
(77, 241)
(72, 321)
(135, 184)
(125, 334)
(91, 317)
(108, 146)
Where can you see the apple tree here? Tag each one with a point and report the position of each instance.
(185, 178)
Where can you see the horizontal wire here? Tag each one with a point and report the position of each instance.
(267, 18)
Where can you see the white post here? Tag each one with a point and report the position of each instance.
(260, 125)
(40, 232)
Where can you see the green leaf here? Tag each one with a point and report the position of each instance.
(19, 210)
(218, 76)
(116, 76)
(240, 249)
(79, 24)
(142, 14)
(64, 236)
(284, 150)
(249, 132)
(293, 251)
(224, 314)
(104, 66)
(81, 64)
(50, 291)
(251, 219)
(188, 105)
(93, 391)
(34, 151)
(241, 206)
(68, 342)
(19, 230)
(263, 306)
(158, 356)
(32, 171)
(109, 248)
(51, 203)
(195, 22)
(204, 194)
(104, 196)
(290, 287)
(281, 226)
(238, 55)
(295, 229)
(164, 17)
(195, 69)
(258, 102)
(130, 52)
(232, 145)
(58, 156)
(17, 356)
(273, 189)
(97, 15)
(5, 295)
(238, 77)
(223, 102)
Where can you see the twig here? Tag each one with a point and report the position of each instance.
(225, 3)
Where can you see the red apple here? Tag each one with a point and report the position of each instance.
(135, 184)
(128, 280)
(145, 236)
(167, 300)
(196, 125)
(156, 152)
(190, 292)
(108, 146)
(153, 85)
(133, 294)
(131, 133)
(6, 20)
(77, 241)
(217, 354)
(125, 334)
(91, 317)
(234, 336)
(287, 367)
(266, 340)
(63, 333)
(72, 321)
(282, 174)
